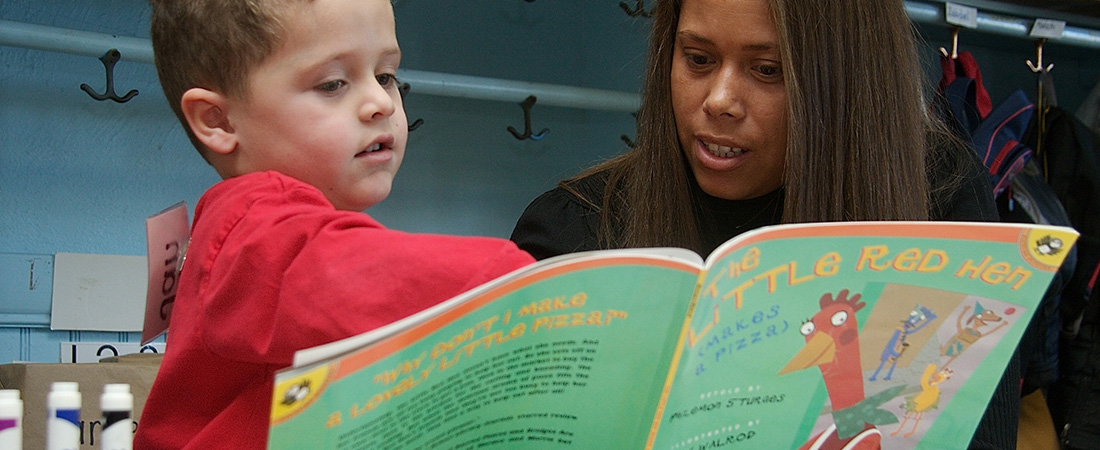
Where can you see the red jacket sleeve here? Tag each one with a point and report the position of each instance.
(292, 272)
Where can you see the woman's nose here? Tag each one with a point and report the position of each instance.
(726, 96)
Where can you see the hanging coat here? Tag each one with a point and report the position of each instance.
(1069, 155)
(998, 137)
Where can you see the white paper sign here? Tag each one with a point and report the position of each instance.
(963, 16)
(97, 292)
(90, 352)
(167, 235)
(1047, 28)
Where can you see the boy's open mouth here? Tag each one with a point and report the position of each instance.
(374, 148)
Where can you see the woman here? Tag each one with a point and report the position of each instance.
(757, 112)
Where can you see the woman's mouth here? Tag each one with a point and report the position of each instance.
(723, 151)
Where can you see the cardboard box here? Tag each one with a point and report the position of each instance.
(34, 380)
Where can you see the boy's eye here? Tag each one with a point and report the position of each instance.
(386, 79)
(331, 86)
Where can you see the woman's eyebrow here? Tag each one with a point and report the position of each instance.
(696, 38)
(693, 37)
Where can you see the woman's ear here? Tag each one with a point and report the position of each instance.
(205, 111)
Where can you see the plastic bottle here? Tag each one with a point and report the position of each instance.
(63, 418)
(117, 403)
(11, 420)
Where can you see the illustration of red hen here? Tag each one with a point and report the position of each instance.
(832, 344)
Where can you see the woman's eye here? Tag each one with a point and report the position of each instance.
(331, 86)
(697, 60)
(769, 71)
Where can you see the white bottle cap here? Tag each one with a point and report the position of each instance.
(11, 406)
(116, 397)
(64, 395)
(65, 386)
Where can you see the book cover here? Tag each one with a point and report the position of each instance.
(793, 336)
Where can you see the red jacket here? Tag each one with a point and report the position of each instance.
(273, 268)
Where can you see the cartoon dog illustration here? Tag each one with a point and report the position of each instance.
(972, 332)
(918, 318)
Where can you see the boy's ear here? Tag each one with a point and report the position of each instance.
(206, 113)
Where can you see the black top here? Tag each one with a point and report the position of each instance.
(558, 222)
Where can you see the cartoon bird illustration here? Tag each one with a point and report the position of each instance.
(928, 398)
(918, 318)
(296, 393)
(832, 344)
(1048, 245)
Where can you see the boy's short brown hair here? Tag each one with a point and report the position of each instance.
(211, 44)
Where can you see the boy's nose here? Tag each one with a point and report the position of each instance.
(378, 102)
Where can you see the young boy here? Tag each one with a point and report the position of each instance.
(295, 104)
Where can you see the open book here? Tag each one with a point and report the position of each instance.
(786, 337)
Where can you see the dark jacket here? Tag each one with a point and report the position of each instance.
(559, 222)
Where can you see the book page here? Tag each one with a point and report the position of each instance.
(573, 355)
(322, 352)
(848, 332)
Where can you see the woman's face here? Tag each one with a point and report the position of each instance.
(729, 98)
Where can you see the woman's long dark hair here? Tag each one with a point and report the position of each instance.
(858, 131)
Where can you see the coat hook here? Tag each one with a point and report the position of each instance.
(527, 104)
(629, 143)
(403, 88)
(954, 44)
(626, 139)
(637, 10)
(1038, 66)
(109, 59)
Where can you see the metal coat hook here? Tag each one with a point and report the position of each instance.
(403, 88)
(954, 44)
(527, 104)
(626, 139)
(637, 10)
(1038, 66)
(109, 59)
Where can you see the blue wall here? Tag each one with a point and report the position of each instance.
(79, 175)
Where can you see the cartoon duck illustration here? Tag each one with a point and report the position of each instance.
(832, 345)
(970, 333)
(928, 398)
(918, 318)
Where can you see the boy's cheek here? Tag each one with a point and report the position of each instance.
(401, 125)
